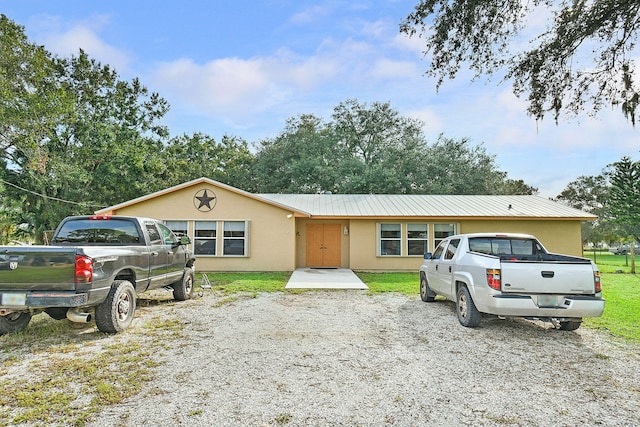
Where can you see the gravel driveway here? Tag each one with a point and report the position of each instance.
(346, 358)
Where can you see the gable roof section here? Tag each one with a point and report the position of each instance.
(432, 206)
(197, 182)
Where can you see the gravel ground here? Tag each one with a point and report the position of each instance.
(347, 358)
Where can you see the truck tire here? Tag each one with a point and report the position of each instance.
(116, 312)
(425, 292)
(183, 290)
(468, 314)
(570, 325)
(57, 313)
(14, 322)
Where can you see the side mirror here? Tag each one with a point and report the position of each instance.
(427, 255)
(185, 240)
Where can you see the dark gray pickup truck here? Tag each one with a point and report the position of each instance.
(96, 266)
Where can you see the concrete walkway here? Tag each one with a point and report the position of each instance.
(324, 278)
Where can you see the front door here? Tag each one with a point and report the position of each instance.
(324, 242)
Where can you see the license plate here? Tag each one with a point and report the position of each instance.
(547, 301)
(14, 299)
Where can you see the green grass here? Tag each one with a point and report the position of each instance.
(622, 311)
(610, 263)
(404, 283)
(230, 283)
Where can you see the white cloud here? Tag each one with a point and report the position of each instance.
(66, 39)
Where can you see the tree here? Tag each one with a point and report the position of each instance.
(304, 158)
(586, 54)
(190, 157)
(592, 194)
(73, 136)
(373, 149)
(451, 166)
(625, 200)
(383, 149)
(625, 196)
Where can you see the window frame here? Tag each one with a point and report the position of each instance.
(431, 239)
(382, 240)
(424, 239)
(228, 239)
(204, 239)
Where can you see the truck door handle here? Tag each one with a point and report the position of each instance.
(449, 269)
(548, 274)
(154, 253)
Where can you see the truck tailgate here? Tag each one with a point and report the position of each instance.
(547, 278)
(50, 268)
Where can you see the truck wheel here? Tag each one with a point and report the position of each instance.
(570, 325)
(183, 290)
(468, 314)
(116, 312)
(57, 313)
(425, 292)
(14, 322)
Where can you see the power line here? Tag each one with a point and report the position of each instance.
(44, 196)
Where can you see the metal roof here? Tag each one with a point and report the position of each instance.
(441, 206)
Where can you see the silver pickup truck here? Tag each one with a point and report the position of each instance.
(96, 266)
(511, 275)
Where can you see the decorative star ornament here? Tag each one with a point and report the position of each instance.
(205, 200)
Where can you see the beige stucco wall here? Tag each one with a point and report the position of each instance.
(271, 245)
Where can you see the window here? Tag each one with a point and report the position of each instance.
(417, 239)
(205, 237)
(442, 231)
(234, 238)
(411, 238)
(154, 235)
(390, 239)
(437, 254)
(101, 232)
(167, 235)
(179, 228)
(451, 248)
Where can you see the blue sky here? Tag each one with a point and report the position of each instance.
(243, 67)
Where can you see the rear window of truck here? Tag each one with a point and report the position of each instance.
(98, 232)
(503, 246)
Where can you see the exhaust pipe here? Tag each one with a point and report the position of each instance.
(76, 316)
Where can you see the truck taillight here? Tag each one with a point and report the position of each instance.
(84, 269)
(596, 280)
(493, 278)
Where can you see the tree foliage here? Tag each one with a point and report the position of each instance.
(189, 157)
(592, 194)
(73, 135)
(584, 56)
(373, 149)
(625, 196)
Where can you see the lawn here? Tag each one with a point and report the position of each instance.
(610, 263)
(622, 312)
(622, 291)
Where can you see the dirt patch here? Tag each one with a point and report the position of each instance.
(348, 358)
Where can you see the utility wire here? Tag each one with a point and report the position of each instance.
(50, 197)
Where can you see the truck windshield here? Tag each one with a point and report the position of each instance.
(91, 231)
(504, 246)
